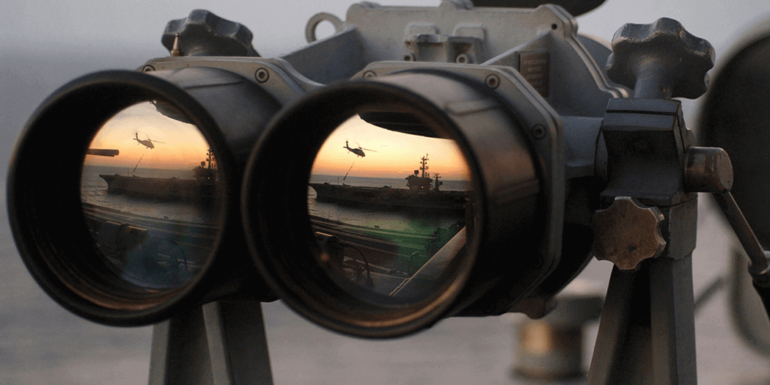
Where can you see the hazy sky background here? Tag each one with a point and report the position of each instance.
(278, 27)
(70, 38)
(388, 154)
(44, 44)
(177, 145)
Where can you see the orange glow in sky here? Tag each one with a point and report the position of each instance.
(177, 145)
(391, 155)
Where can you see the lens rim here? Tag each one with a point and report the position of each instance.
(54, 251)
(287, 218)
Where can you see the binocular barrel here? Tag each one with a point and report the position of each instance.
(136, 261)
(496, 213)
(163, 178)
(215, 173)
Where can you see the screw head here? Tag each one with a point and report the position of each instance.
(148, 68)
(492, 81)
(539, 131)
(262, 75)
(463, 59)
(369, 75)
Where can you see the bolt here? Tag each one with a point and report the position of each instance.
(463, 59)
(492, 81)
(176, 50)
(262, 75)
(148, 68)
(409, 57)
(369, 75)
(539, 131)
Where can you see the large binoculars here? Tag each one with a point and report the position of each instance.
(215, 173)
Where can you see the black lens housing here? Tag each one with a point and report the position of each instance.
(508, 198)
(46, 212)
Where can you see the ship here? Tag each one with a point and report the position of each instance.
(422, 193)
(200, 189)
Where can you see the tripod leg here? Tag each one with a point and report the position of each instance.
(647, 329)
(673, 321)
(180, 353)
(237, 343)
(622, 353)
(221, 343)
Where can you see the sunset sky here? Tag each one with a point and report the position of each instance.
(183, 145)
(391, 154)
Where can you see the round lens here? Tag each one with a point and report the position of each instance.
(389, 208)
(151, 196)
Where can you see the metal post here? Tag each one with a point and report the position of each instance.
(220, 343)
(647, 330)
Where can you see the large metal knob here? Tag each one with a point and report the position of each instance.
(660, 60)
(627, 233)
(206, 34)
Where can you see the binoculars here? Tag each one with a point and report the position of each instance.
(216, 173)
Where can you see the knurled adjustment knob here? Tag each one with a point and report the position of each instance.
(627, 233)
(206, 34)
(660, 60)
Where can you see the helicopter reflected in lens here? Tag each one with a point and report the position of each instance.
(388, 228)
(152, 196)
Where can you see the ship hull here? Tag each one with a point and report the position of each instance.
(172, 189)
(391, 197)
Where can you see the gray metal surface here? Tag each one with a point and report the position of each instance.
(647, 330)
(221, 343)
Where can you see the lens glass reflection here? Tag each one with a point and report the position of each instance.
(151, 196)
(389, 210)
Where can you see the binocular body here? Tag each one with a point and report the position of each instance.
(514, 103)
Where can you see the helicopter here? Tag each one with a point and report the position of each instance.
(147, 143)
(358, 151)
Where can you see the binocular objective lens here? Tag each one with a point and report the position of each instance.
(151, 196)
(389, 210)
